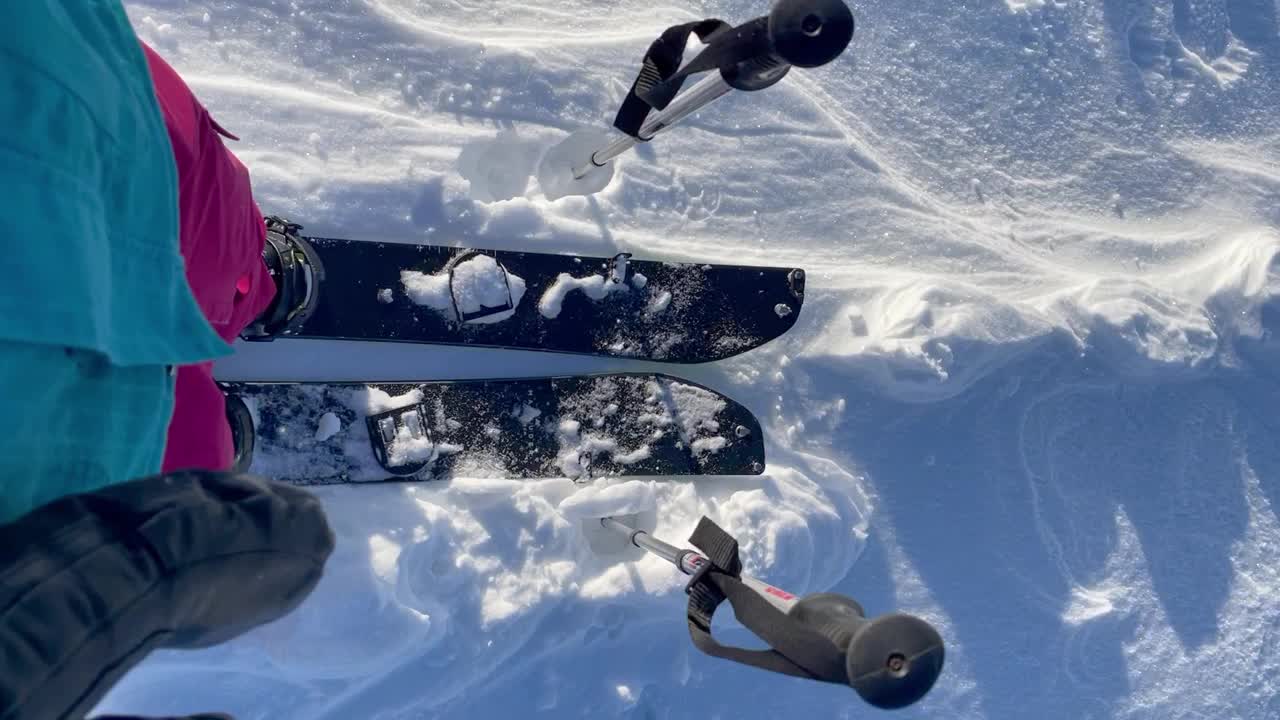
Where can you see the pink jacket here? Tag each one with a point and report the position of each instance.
(222, 235)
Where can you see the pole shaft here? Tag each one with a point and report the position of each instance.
(687, 561)
(645, 541)
(685, 104)
(657, 547)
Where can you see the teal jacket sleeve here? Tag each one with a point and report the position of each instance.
(90, 218)
(94, 302)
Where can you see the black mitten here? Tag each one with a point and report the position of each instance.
(91, 583)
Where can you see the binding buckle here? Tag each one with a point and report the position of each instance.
(386, 429)
(618, 267)
(485, 311)
(296, 269)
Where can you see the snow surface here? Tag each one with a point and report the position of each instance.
(1032, 394)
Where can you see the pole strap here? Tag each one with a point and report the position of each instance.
(661, 76)
(795, 648)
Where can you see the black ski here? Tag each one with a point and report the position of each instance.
(580, 427)
(622, 307)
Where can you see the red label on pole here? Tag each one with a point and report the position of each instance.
(780, 593)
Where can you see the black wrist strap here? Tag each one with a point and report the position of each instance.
(661, 77)
(796, 648)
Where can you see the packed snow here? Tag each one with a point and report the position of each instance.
(410, 448)
(526, 414)
(328, 426)
(659, 304)
(476, 290)
(708, 444)
(1031, 395)
(577, 445)
(596, 287)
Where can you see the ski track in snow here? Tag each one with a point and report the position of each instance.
(1031, 394)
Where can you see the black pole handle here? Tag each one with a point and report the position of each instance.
(752, 56)
(809, 33)
(891, 661)
(804, 33)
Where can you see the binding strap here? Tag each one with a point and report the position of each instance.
(796, 649)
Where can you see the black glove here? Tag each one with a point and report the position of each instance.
(89, 584)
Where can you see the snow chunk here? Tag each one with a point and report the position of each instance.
(577, 450)
(1086, 605)
(383, 555)
(406, 448)
(372, 400)
(661, 301)
(525, 413)
(158, 27)
(328, 426)
(429, 290)
(481, 282)
(595, 287)
(569, 460)
(385, 296)
(633, 457)
(638, 281)
(709, 445)
(477, 283)
(695, 409)
(1022, 6)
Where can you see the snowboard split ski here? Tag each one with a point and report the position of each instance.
(620, 306)
(580, 427)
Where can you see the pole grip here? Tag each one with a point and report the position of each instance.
(804, 33)
(809, 33)
(891, 661)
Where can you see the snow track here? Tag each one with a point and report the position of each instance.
(524, 26)
(1032, 394)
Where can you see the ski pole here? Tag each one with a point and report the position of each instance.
(688, 561)
(804, 33)
(891, 661)
(707, 90)
(752, 56)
